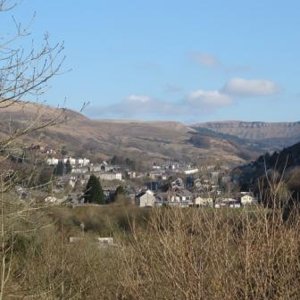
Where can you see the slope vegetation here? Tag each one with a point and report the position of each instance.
(268, 135)
(142, 141)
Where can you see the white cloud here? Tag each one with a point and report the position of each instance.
(211, 61)
(209, 98)
(254, 87)
(139, 106)
(196, 102)
(138, 98)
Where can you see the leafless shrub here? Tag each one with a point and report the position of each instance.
(24, 72)
(213, 254)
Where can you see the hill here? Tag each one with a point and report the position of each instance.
(145, 142)
(273, 136)
(276, 173)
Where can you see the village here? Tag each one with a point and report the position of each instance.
(166, 184)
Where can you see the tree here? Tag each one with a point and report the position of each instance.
(24, 74)
(68, 167)
(93, 191)
(60, 169)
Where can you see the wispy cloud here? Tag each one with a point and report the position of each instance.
(250, 87)
(137, 106)
(199, 101)
(206, 59)
(142, 106)
(135, 99)
(211, 99)
(210, 60)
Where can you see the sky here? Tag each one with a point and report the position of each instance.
(190, 61)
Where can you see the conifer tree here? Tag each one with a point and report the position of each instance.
(60, 169)
(68, 167)
(93, 192)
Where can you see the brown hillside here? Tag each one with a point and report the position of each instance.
(141, 141)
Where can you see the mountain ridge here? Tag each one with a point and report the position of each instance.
(145, 141)
(271, 135)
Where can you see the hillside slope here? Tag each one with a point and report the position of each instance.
(271, 172)
(142, 141)
(268, 135)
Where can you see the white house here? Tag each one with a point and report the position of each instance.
(110, 176)
(71, 160)
(179, 197)
(201, 201)
(146, 199)
(131, 174)
(80, 170)
(155, 167)
(246, 199)
(83, 162)
(52, 161)
(191, 171)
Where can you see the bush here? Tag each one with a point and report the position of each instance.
(213, 254)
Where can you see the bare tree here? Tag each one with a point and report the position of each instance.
(25, 72)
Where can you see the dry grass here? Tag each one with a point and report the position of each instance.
(178, 254)
(200, 254)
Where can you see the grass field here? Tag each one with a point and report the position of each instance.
(165, 253)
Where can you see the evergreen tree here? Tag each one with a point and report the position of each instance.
(68, 167)
(60, 169)
(93, 192)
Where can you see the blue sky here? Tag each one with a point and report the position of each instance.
(191, 61)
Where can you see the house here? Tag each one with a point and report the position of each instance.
(110, 176)
(145, 199)
(204, 201)
(71, 160)
(52, 161)
(131, 174)
(228, 202)
(156, 174)
(179, 197)
(184, 195)
(105, 167)
(162, 197)
(80, 170)
(156, 167)
(246, 198)
(191, 171)
(83, 162)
